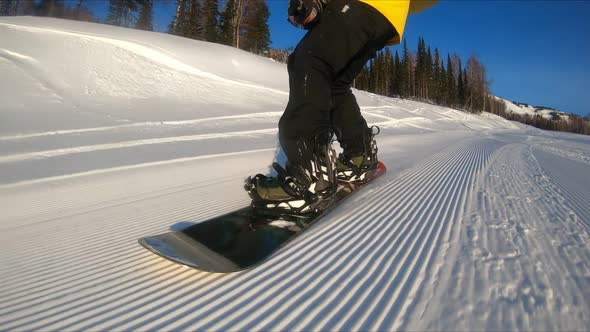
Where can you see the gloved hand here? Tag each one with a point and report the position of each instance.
(305, 14)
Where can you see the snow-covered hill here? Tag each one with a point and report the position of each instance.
(110, 134)
(526, 109)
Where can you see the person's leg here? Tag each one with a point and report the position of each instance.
(323, 58)
(346, 114)
(359, 156)
(321, 63)
(347, 119)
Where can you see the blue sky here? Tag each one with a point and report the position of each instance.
(535, 51)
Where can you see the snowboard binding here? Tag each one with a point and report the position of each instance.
(360, 167)
(301, 188)
(301, 200)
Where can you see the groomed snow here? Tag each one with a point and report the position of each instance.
(109, 134)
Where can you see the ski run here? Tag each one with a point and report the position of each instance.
(110, 134)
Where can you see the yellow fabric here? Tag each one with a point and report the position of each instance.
(396, 11)
(417, 6)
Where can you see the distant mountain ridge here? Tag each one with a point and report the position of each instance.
(544, 117)
(548, 113)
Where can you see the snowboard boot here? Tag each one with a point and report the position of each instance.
(359, 166)
(301, 187)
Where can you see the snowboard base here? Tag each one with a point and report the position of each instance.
(240, 239)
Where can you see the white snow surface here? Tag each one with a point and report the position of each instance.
(109, 134)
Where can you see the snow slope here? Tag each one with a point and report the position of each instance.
(525, 109)
(110, 134)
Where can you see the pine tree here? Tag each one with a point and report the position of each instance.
(78, 9)
(451, 83)
(121, 12)
(51, 8)
(4, 8)
(436, 75)
(460, 88)
(442, 83)
(78, 12)
(466, 89)
(397, 75)
(210, 20)
(389, 71)
(255, 31)
(379, 73)
(146, 14)
(175, 26)
(421, 69)
(371, 78)
(382, 82)
(407, 82)
(187, 21)
(362, 80)
(428, 73)
(227, 23)
(193, 27)
(15, 7)
(28, 7)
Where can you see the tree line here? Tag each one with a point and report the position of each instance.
(239, 23)
(74, 10)
(428, 76)
(574, 124)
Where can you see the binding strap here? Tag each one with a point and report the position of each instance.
(290, 184)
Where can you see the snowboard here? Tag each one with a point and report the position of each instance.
(244, 238)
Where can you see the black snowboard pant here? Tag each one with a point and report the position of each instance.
(322, 69)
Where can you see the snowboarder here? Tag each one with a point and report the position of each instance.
(342, 36)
